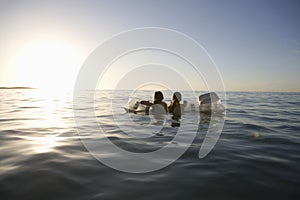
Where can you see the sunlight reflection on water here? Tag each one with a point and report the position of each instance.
(43, 144)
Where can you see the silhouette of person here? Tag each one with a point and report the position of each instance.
(175, 108)
(157, 100)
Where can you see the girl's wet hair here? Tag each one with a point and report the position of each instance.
(158, 96)
(177, 96)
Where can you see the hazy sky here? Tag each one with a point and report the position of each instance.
(255, 44)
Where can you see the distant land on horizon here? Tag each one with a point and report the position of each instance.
(25, 87)
(15, 88)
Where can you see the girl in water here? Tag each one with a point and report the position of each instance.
(157, 100)
(175, 109)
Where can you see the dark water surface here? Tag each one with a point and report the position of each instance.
(256, 157)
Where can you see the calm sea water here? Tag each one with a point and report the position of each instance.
(41, 156)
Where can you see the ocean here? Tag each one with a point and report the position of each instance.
(42, 156)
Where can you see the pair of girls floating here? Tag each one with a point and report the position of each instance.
(209, 102)
(173, 108)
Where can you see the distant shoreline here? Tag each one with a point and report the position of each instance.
(203, 91)
(14, 88)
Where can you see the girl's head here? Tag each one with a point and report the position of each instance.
(177, 96)
(158, 96)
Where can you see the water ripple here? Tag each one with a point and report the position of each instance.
(42, 157)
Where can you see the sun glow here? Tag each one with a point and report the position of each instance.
(47, 64)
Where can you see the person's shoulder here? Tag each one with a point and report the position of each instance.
(164, 103)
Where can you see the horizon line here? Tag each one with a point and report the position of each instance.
(28, 87)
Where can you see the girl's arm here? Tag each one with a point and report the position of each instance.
(146, 103)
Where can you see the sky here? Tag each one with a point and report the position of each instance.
(255, 44)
